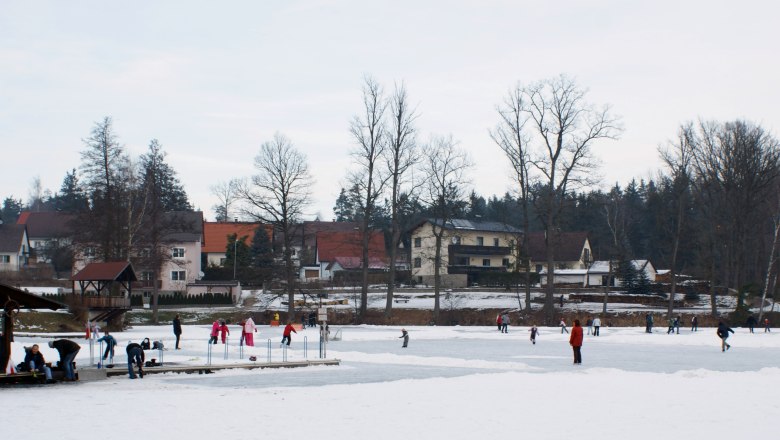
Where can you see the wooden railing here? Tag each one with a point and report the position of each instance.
(101, 302)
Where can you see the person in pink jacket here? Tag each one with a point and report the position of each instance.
(214, 332)
(249, 332)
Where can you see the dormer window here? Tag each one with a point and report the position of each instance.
(178, 252)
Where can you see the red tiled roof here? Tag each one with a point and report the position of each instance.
(216, 234)
(356, 263)
(331, 245)
(47, 224)
(106, 272)
(567, 246)
(22, 220)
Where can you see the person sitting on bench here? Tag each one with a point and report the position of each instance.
(33, 359)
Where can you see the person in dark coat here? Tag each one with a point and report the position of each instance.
(33, 359)
(751, 322)
(694, 324)
(534, 331)
(723, 334)
(767, 327)
(575, 340)
(68, 351)
(648, 323)
(405, 335)
(135, 355)
(177, 330)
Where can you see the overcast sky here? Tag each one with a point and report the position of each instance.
(213, 80)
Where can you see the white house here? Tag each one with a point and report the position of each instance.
(14, 247)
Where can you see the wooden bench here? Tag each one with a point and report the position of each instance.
(401, 300)
(22, 377)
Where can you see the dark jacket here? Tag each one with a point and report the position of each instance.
(65, 347)
(723, 331)
(37, 358)
(176, 326)
(752, 321)
(131, 347)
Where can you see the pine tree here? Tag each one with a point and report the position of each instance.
(261, 251)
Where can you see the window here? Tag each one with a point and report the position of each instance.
(178, 275)
(418, 262)
(146, 275)
(89, 252)
(495, 242)
(539, 268)
(145, 253)
(178, 252)
(480, 241)
(505, 262)
(418, 242)
(5, 258)
(486, 261)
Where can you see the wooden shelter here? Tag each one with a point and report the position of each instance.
(111, 284)
(12, 300)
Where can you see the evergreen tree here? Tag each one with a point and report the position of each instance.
(155, 171)
(11, 209)
(237, 251)
(261, 251)
(71, 197)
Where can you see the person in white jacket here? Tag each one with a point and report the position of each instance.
(249, 332)
(596, 325)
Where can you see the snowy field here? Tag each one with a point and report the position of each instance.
(450, 383)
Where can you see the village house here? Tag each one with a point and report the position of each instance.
(216, 235)
(467, 247)
(48, 231)
(342, 250)
(14, 247)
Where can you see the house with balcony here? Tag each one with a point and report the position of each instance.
(571, 250)
(14, 247)
(468, 247)
(50, 232)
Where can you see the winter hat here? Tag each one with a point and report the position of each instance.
(51, 344)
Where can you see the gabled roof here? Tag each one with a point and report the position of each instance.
(115, 270)
(331, 245)
(567, 246)
(183, 226)
(49, 224)
(11, 237)
(460, 224)
(215, 235)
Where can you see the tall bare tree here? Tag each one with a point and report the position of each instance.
(369, 132)
(444, 169)
(401, 155)
(563, 128)
(278, 194)
(677, 157)
(227, 196)
(509, 135)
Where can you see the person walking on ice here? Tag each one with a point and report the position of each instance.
(596, 326)
(575, 340)
(534, 331)
(249, 332)
(505, 322)
(405, 335)
(563, 326)
(723, 334)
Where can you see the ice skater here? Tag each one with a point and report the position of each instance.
(767, 328)
(177, 330)
(224, 330)
(694, 324)
(563, 326)
(751, 323)
(575, 340)
(505, 322)
(287, 334)
(534, 331)
(405, 335)
(214, 332)
(596, 326)
(723, 334)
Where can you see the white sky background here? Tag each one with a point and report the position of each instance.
(212, 81)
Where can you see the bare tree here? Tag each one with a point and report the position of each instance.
(401, 155)
(226, 195)
(444, 168)
(278, 195)
(369, 132)
(677, 157)
(509, 135)
(772, 256)
(564, 127)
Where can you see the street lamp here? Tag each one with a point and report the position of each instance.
(235, 243)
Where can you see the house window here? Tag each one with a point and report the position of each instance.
(146, 275)
(5, 259)
(539, 268)
(178, 275)
(486, 261)
(178, 252)
(480, 241)
(145, 253)
(505, 262)
(495, 242)
(418, 242)
(89, 252)
(147, 294)
(418, 262)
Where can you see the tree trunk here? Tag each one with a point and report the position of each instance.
(437, 276)
(771, 265)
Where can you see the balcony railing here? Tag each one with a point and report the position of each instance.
(458, 269)
(101, 302)
(461, 249)
(146, 284)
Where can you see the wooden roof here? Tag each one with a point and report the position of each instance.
(113, 271)
(26, 300)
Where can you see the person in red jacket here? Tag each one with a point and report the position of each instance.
(575, 340)
(286, 335)
(223, 330)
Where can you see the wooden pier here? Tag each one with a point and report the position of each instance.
(120, 369)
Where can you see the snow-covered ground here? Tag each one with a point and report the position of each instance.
(450, 383)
